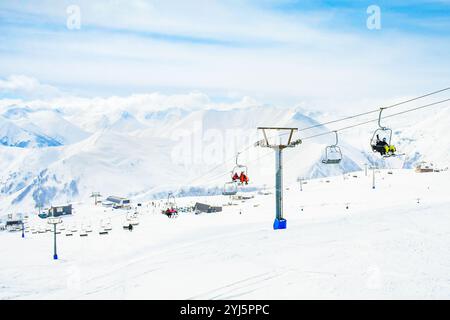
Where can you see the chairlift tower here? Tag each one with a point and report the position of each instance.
(374, 168)
(54, 221)
(280, 222)
(300, 181)
(96, 195)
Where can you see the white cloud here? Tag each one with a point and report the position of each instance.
(135, 103)
(88, 113)
(273, 57)
(26, 87)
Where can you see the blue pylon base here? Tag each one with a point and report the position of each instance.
(279, 224)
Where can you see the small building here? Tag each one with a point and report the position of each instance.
(425, 167)
(14, 225)
(117, 202)
(57, 211)
(205, 208)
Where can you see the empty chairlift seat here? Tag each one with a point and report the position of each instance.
(88, 228)
(105, 227)
(108, 226)
(333, 153)
(230, 189)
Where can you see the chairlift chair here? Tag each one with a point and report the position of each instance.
(126, 224)
(171, 209)
(382, 133)
(129, 216)
(333, 153)
(171, 201)
(88, 228)
(238, 168)
(108, 225)
(133, 219)
(103, 228)
(230, 188)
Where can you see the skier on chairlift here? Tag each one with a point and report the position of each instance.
(243, 178)
(235, 177)
(383, 147)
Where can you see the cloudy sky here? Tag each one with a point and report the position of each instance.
(318, 53)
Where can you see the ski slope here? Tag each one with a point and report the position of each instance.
(392, 242)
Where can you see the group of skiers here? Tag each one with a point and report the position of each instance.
(242, 178)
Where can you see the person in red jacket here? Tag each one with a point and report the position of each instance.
(243, 178)
(235, 177)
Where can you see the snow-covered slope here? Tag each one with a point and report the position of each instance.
(27, 128)
(13, 135)
(107, 161)
(344, 240)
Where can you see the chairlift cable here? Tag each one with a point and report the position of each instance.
(375, 120)
(374, 111)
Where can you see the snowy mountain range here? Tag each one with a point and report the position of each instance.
(60, 154)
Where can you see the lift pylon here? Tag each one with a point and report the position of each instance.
(275, 142)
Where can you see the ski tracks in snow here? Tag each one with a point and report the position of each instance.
(239, 288)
